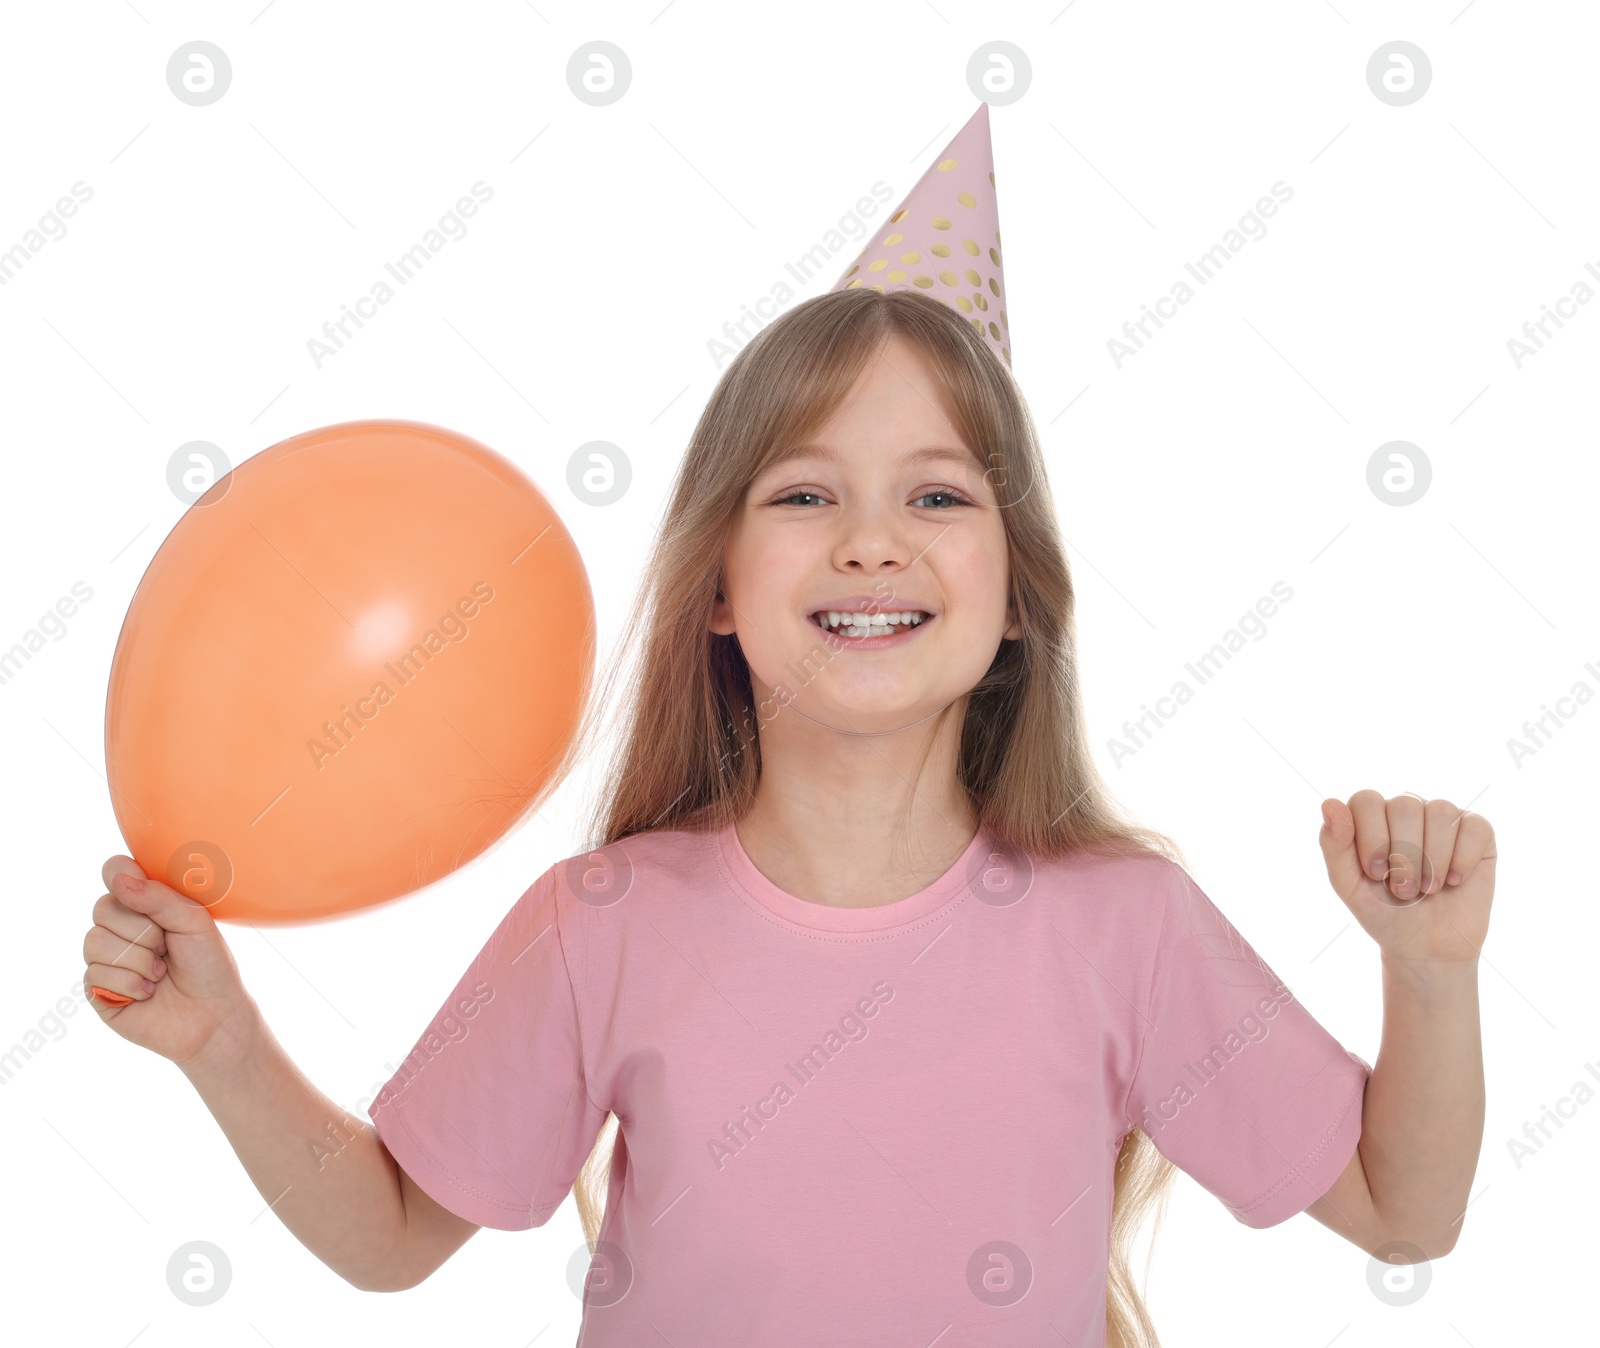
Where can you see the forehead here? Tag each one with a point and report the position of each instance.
(817, 450)
(897, 410)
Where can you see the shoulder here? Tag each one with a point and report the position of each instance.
(1114, 901)
(1140, 879)
(648, 863)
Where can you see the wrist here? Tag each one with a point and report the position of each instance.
(1400, 961)
(1440, 975)
(231, 1046)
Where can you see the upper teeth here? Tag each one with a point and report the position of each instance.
(858, 621)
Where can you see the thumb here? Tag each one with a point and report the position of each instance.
(1338, 842)
(170, 910)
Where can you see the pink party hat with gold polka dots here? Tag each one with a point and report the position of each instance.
(944, 238)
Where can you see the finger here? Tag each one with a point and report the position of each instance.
(114, 978)
(115, 916)
(1474, 844)
(120, 865)
(125, 865)
(1404, 813)
(177, 913)
(1337, 840)
(1372, 833)
(106, 947)
(1440, 821)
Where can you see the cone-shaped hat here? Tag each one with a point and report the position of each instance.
(944, 238)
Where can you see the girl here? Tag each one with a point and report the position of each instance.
(867, 1019)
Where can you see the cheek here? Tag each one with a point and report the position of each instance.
(977, 572)
(760, 567)
(758, 562)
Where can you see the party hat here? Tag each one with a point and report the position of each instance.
(944, 238)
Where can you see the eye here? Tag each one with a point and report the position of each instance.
(954, 497)
(949, 496)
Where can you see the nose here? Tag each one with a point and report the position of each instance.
(873, 540)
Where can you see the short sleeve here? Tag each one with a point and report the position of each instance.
(1237, 1084)
(490, 1113)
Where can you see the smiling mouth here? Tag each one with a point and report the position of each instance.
(869, 626)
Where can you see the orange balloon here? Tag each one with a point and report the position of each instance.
(348, 670)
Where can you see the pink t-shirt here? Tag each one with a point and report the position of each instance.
(863, 1125)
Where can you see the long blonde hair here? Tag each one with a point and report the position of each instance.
(688, 755)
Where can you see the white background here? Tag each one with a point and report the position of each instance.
(1229, 454)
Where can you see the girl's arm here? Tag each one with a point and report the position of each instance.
(1419, 877)
(175, 990)
(324, 1172)
(1422, 1120)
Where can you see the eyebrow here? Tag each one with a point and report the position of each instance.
(912, 458)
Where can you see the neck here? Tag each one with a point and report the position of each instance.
(836, 818)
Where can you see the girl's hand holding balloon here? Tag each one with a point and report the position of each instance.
(384, 693)
(158, 970)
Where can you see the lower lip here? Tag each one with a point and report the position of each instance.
(900, 638)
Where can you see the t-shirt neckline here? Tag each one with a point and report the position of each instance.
(749, 882)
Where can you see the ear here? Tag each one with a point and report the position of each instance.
(721, 620)
(1013, 631)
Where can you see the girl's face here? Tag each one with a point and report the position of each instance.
(885, 511)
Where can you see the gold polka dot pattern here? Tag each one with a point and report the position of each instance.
(952, 206)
